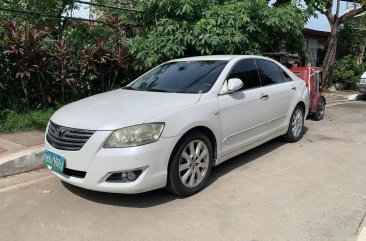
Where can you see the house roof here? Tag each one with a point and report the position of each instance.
(312, 33)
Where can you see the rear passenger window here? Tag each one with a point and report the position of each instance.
(285, 76)
(270, 72)
(246, 70)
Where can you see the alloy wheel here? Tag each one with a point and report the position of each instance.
(297, 123)
(193, 164)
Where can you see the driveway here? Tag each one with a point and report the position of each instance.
(314, 189)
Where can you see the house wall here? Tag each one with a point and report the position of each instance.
(313, 47)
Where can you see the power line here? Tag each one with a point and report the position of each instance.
(12, 10)
(107, 6)
(48, 16)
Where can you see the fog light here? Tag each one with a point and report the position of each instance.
(125, 176)
(131, 176)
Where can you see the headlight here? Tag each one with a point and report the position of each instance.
(135, 135)
(363, 81)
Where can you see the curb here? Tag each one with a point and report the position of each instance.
(22, 161)
(348, 98)
(356, 97)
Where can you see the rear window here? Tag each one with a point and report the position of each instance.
(271, 73)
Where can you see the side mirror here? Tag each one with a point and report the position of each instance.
(231, 85)
(234, 84)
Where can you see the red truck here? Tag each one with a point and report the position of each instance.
(312, 77)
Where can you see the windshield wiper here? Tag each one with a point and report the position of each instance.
(156, 90)
(153, 90)
(128, 88)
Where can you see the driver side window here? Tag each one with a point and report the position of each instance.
(246, 70)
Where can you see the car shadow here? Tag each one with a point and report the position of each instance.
(361, 96)
(141, 200)
(161, 196)
(244, 158)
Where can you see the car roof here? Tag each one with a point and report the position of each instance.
(216, 57)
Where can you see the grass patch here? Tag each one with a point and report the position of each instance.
(11, 121)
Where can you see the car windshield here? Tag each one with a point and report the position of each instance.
(180, 77)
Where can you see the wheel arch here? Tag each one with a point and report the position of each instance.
(302, 104)
(204, 129)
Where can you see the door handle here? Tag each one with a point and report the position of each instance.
(293, 88)
(264, 97)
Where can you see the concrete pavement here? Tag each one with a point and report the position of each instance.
(15, 141)
(314, 189)
(20, 152)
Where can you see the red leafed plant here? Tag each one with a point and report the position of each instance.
(98, 61)
(114, 24)
(16, 40)
(120, 62)
(95, 62)
(120, 57)
(61, 55)
(24, 47)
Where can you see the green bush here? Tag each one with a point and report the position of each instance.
(10, 121)
(37, 70)
(346, 71)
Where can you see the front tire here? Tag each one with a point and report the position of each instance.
(190, 165)
(296, 125)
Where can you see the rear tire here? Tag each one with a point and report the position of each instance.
(190, 165)
(296, 125)
(320, 110)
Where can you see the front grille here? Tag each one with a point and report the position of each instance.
(66, 138)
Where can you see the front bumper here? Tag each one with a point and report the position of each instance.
(99, 163)
(362, 88)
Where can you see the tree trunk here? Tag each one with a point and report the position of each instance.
(25, 89)
(361, 52)
(330, 55)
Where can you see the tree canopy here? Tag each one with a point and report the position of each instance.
(170, 29)
(45, 13)
(335, 19)
(187, 27)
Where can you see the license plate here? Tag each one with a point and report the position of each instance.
(56, 162)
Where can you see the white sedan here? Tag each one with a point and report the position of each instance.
(169, 127)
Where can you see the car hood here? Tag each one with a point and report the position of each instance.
(120, 108)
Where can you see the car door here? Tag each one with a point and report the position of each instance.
(281, 93)
(244, 113)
